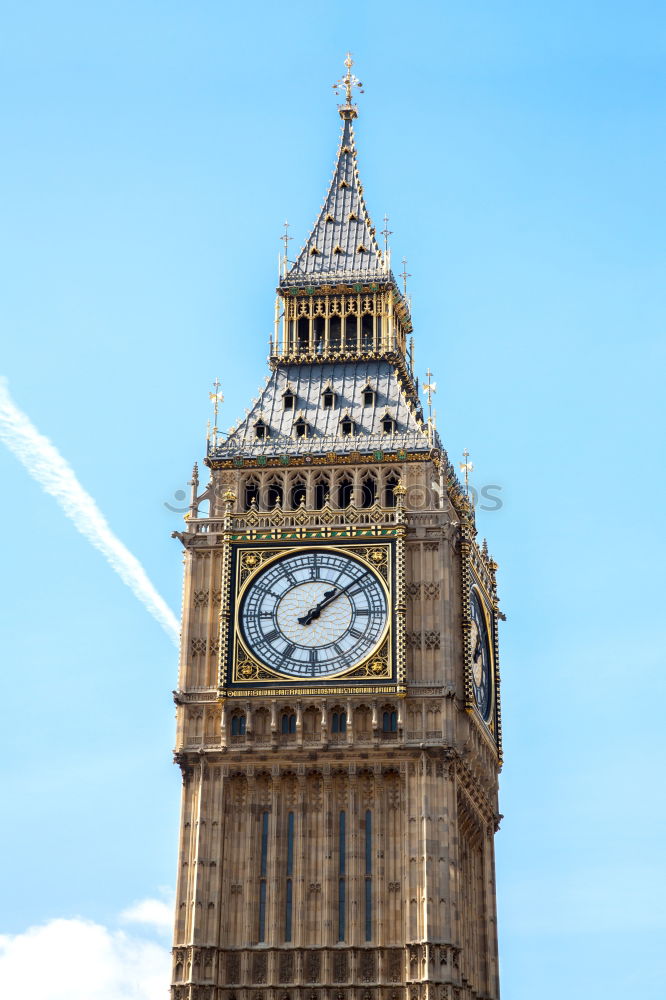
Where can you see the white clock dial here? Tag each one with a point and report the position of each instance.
(314, 613)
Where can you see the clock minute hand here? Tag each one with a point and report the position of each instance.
(329, 597)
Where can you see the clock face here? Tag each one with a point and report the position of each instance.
(313, 614)
(480, 645)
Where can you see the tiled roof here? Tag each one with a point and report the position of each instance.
(308, 383)
(342, 244)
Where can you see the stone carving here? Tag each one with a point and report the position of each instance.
(286, 971)
(200, 598)
(233, 967)
(313, 967)
(259, 967)
(340, 967)
(198, 647)
(394, 966)
(432, 640)
(368, 970)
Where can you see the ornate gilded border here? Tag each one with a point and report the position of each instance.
(470, 579)
(240, 674)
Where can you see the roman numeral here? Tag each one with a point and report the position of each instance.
(355, 632)
(271, 636)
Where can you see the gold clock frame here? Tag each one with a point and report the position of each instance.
(243, 675)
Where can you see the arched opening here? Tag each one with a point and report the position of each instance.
(345, 491)
(274, 494)
(288, 400)
(238, 724)
(338, 721)
(303, 335)
(301, 428)
(298, 493)
(334, 324)
(388, 424)
(321, 492)
(350, 333)
(346, 426)
(389, 490)
(318, 330)
(251, 492)
(288, 723)
(366, 333)
(261, 430)
(389, 720)
(368, 490)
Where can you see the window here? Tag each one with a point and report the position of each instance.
(328, 399)
(339, 722)
(251, 492)
(288, 400)
(301, 428)
(298, 493)
(368, 875)
(321, 492)
(388, 424)
(390, 721)
(341, 876)
(262, 877)
(274, 494)
(288, 723)
(290, 872)
(238, 724)
(345, 492)
(366, 333)
(346, 426)
(368, 490)
(389, 490)
(368, 397)
(261, 430)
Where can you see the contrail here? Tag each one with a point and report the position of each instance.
(54, 475)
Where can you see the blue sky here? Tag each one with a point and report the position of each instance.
(151, 154)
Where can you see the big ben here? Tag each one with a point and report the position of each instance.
(338, 715)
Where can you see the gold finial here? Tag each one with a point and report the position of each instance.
(285, 239)
(348, 81)
(386, 232)
(399, 490)
(229, 497)
(466, 467)
(404, 276)
(430, 388)
(216, 398)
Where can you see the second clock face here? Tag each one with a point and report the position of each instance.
(480, 644)
(314, 613)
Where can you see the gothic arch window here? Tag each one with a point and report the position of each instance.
(274, 492)
(238, 724)
(303, 335)
(318, 329)
(390, 484)
(345, 491)
(334, 325)
(368, 490)
(311, 723)
(366, 333)
(350, 333)
(321, 491)
(251, 492)
(389, 719)
(298, 493)
(362, 723)
(288, 723)
(261, 723)
(338, 721)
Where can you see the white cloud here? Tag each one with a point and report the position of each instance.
(45, 464)
(81, 960)
(153, 912)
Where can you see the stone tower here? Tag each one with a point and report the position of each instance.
(338, 721)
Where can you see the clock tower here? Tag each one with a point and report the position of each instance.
(338, 720)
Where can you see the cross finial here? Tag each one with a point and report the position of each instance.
(404, 275)
(348, 81)
(216, 398)
(466, 467)
(386, 232)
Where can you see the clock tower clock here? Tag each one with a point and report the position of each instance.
(338, 719)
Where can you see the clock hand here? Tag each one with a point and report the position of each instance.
(329, 597)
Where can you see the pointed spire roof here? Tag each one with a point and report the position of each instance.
(342, 244)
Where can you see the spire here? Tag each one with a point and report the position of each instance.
(342, 244)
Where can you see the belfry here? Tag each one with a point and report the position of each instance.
(338, 716)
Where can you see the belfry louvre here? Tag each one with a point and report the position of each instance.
(338, 714)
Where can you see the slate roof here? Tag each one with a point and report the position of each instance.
(308, 383)
(332, 251)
